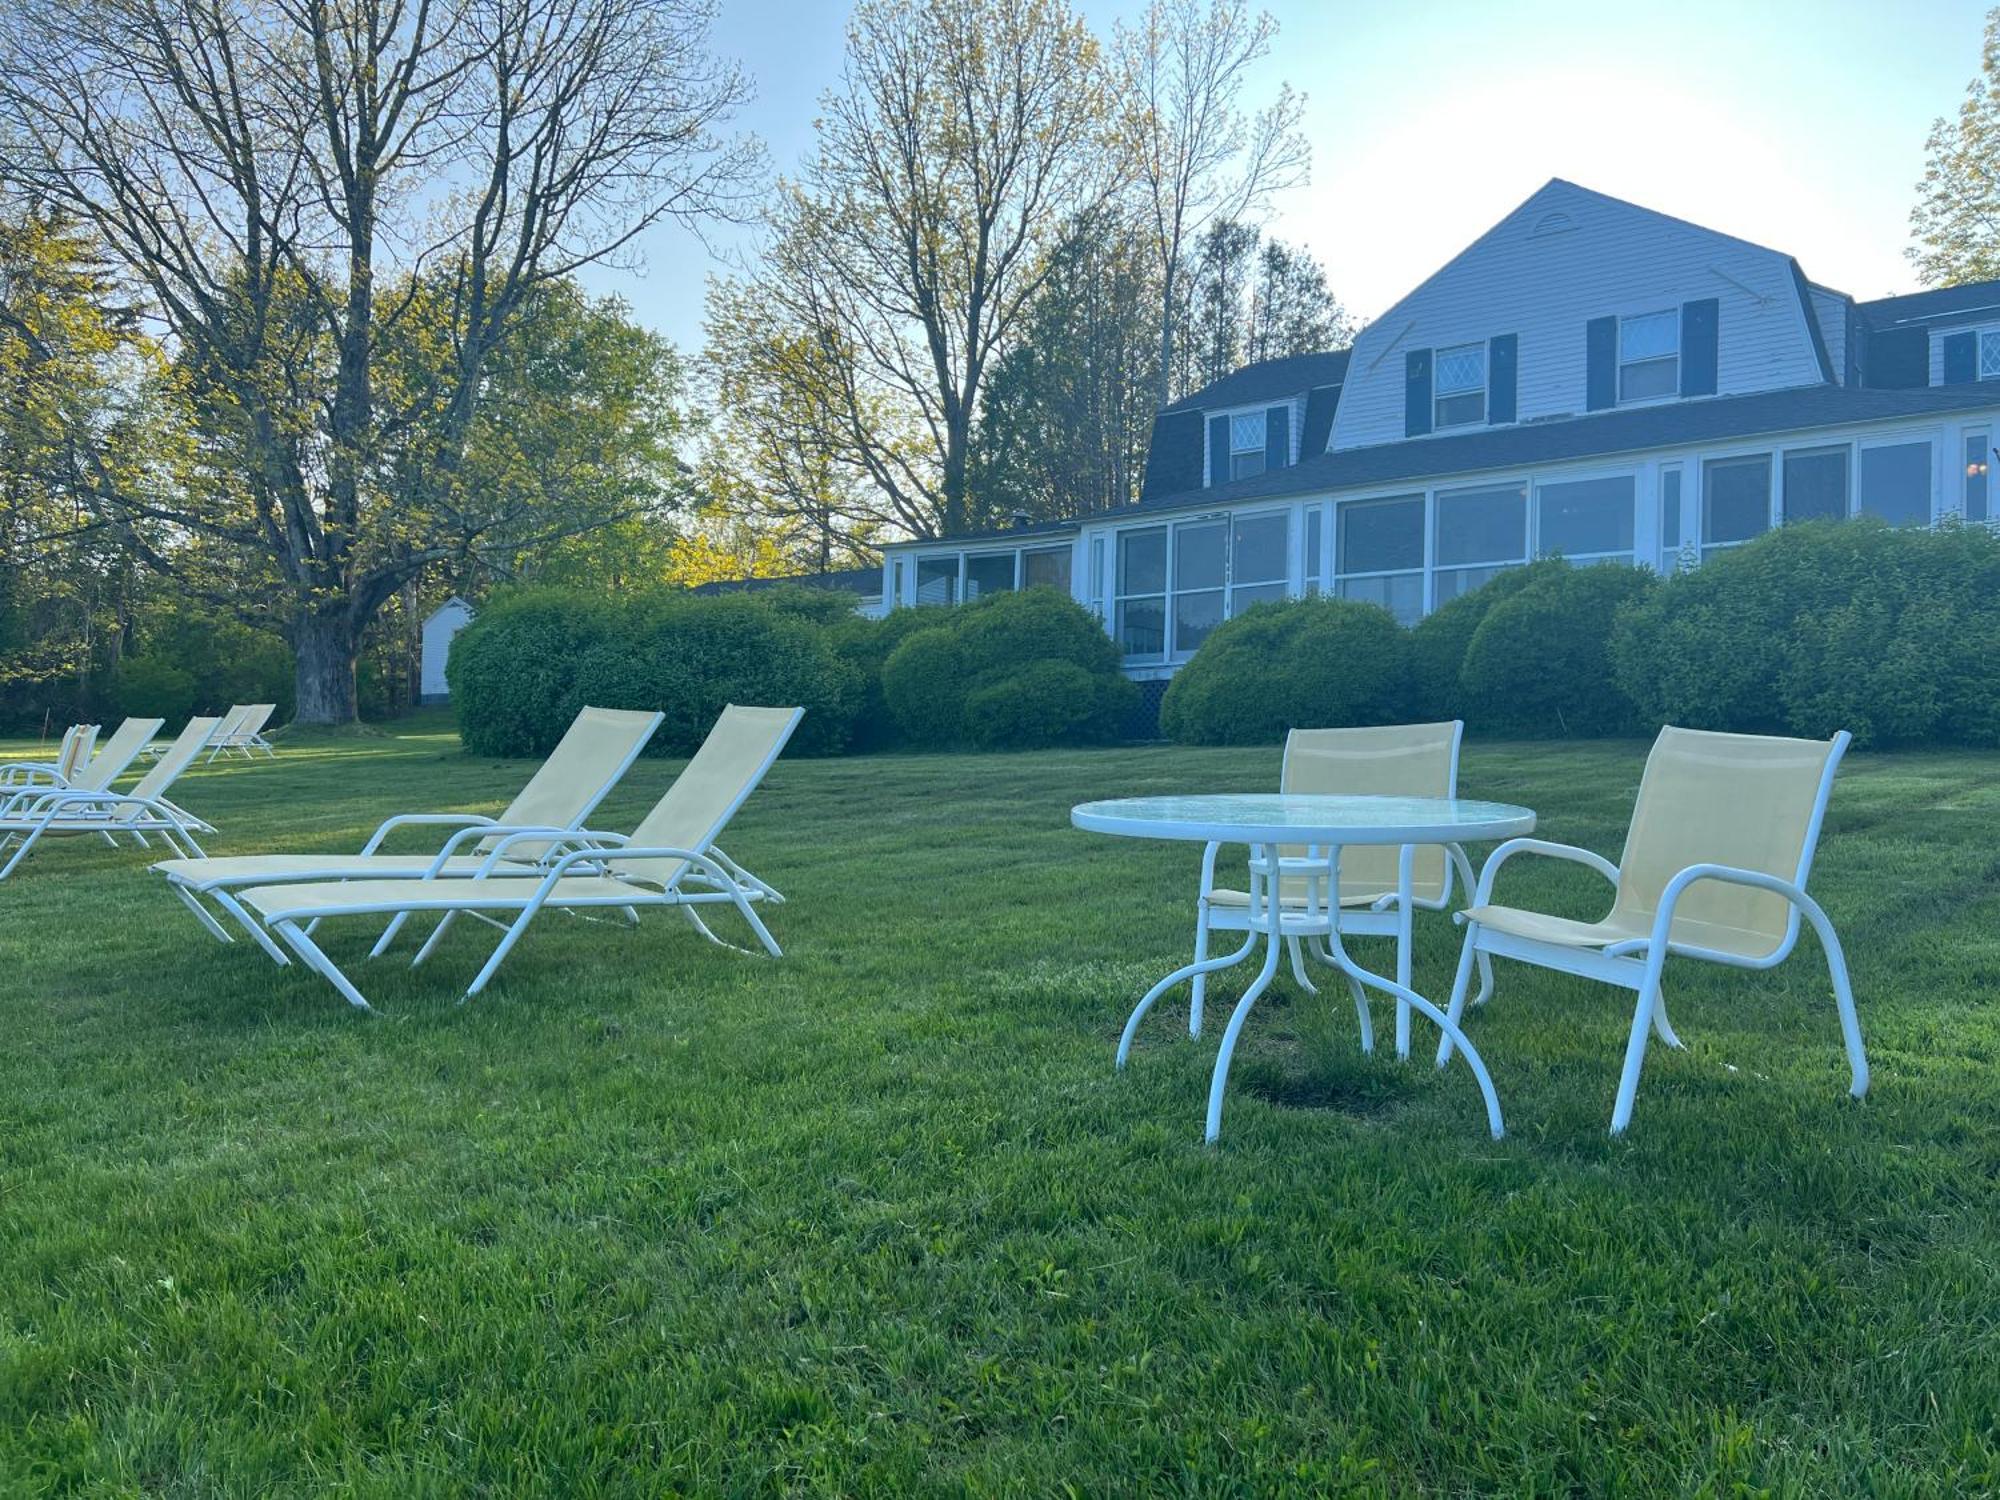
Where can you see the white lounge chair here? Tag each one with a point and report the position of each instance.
(100, 770)
(71, 754)
(1715, 867)
(1381, 888)
(26, 817)
(670, 859)
(243, 731)
(595, 751)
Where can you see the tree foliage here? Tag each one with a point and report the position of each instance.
(1956, 221)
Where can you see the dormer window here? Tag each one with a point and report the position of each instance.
(1246, 445)
(1649, 356)
(1459, 386)
(1989, 354)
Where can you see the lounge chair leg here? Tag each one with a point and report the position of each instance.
(310, 951)
(252, 926)
(202, 916)
(1455, 1012)
(1299, 967)
(1207, 966)
(757, 924)
(513, 936)
(21, 852)
(389, 934)
(431, 942)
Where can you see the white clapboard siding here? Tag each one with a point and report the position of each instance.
(1565, 256)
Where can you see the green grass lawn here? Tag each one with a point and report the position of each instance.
(649, 1216)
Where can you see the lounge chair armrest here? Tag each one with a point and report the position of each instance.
(409, 820)
(24, 772)
(501, 833)
(1567, 852)
(557, 840)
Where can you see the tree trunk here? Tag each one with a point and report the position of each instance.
(1164, 390)
(324, 647)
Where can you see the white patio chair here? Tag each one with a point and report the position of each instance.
(1715, 868)
(243, 731)
(26, 817)
(106, 766)
(595, 751)
(670, 859)
(71, 755)
(1381, 888)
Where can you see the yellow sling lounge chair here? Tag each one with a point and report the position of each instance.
(29, 816)
(669, 860)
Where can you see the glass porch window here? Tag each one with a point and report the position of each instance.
(1735, 500)
(1140, 600)
(1315, 541)
(988, 573)
(1258, 564)
(1587, 520)
(1480, 534)
(1977, 464)
(937, 580)
(1816, 484)
(1670, 512)
(1201, 577)
(1097, 577)
(1046, 568)
(1379, 554)
(1896, 483)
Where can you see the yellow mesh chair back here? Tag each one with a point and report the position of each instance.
(597, 748)
(173, 760)
(1747, 800)
(1388, 760)
(75, 750)
(705, 796)
(118, 752)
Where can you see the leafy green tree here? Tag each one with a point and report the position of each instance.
(1956, 221)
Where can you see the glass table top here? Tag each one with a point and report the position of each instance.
(1271, 817)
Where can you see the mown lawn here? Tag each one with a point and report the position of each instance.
(652, 1217)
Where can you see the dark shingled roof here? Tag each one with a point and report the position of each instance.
(841, 580)
(1942, 302)
(1714, 419)
(1268, 380)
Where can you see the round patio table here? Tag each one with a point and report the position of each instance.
(1270, 822)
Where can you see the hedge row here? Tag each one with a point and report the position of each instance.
(1887, 633)
(1015, 670)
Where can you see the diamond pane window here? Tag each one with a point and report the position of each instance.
(1989, 356)
(1461, 369)
(1246, 433)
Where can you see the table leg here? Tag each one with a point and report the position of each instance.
(1273, 935)
(1185, 971)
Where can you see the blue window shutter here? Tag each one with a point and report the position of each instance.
(1277, 437)
(1600, 376)
(1416, 393)
(1698, 346)
(1218, 450)
(1503, 353)
(1961, 358)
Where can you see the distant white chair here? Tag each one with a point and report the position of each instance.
(669, 860)
(32, 814)
(71, 754)
(243, 731)
(97, 772)
(1381, 888)
(1715, 867)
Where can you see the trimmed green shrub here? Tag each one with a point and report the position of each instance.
(512, 669)
(690, 656)
(995, 649)
(865, 645)
(154, 688)
(1828, 625)
(1304, 663)
(1439, 640)
(1539, 662)
(1044, 703)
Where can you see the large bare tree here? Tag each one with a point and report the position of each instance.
(1202, 159)
(963, 136)
(320, 197)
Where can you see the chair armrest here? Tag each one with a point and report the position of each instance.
(410, 820)
(558, 841)
(1663, 919)
(1566, 852)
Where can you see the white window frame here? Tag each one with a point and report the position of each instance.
(1433, 566)
(1682, 552)
(1673, 315)
(1808, 450)
(1967, 436)
(1699, 466)
(1483, 390)
(1987, 337)
(1164, 594)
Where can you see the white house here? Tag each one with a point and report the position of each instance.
(443, 623)
(1588, 378)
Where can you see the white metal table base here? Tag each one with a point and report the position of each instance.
(1330, 950)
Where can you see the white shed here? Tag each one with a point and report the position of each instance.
(444, 622)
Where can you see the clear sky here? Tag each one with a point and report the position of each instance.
(1796, 125)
